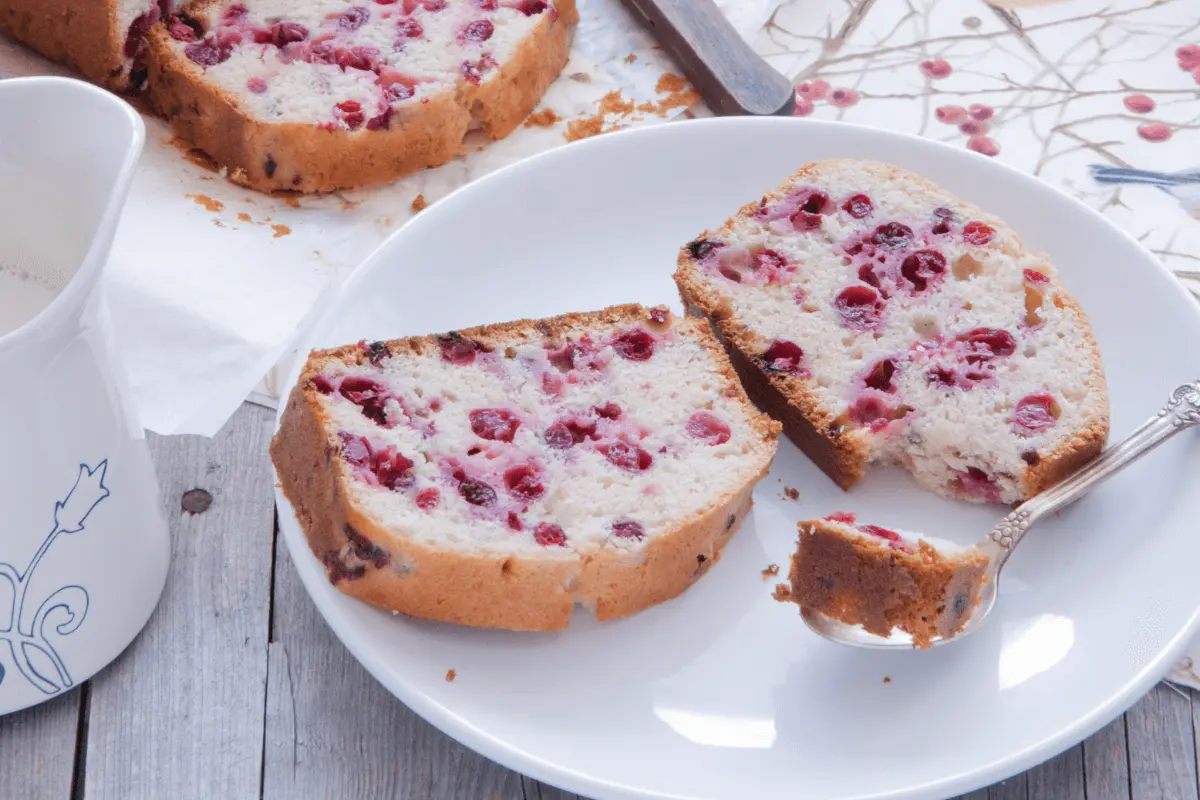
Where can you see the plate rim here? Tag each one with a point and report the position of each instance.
(496, 749)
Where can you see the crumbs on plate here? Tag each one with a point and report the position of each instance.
(419, 204)
(790, 493)
(450, 676)
(771, 571)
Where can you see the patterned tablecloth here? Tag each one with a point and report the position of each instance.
(1099, 97)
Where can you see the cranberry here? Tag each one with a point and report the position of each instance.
(977, 233)
(355, 449)
(859, 206)
(844, 517)
(730, 274)
(472, 72)
(514, 521)
(350, 113)
(942, 218)
(396, 92)
(1140, 103)
(609, 411)
(558, 437)
(363, 58)
(496, 424)
(580, 428)
(806, 221)
(860, 307)
(322, 384)
(1033, 276)
(523, 482)
(866, 274)
(986, 343)
(552, 384)
(880, 376)
(814, 202)
(628, 529)
(1034, 414)
(628, 457)
(283, 33)
(233, 14)
(477, 493)
(256, 85)
(381, 121)
(572, 355)
(941, 377)
(410, 28)
(183, 29)
(659, 316)
(976, 483)
(392, 469)
(428, 498)
(770, 260)
(708, 428)
(353, 19)
(844, 98)
(1031, 457)
(922, 268)
(702, 248)
(867, 409)
(532, 7)
(368, 395)
(983, 145)
(634, 345)
(1156, 131)
(135, 39)
(207, 53)
(487, 5)
(547, 534)
(893, 234)
(936, 69)
(478, 31)
(458, 349)
(783, 356)
(882, 533)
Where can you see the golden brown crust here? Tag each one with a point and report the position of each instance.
(302, 157)
(80, 35)
(843, 452)
(513, 592)
(861, 580)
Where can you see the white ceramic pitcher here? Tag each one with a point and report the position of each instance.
(84, 549)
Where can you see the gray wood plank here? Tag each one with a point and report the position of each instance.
(1162, 750)
(180, 714)
(37, 749)
(333, 732)
(1106, 763)
(535, 790)
(1060, 778)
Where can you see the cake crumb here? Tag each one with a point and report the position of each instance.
(206, 202)
(632, 57)
(450, 676)
(614, 103)
(791, 494)
(770, 572)
(542, 119)
(419, 204)
(670, 83)
(244, 217)
(280, 230)
(886, 679)
(583, 128)
(292, 201)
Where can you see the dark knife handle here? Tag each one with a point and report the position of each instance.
(726, 71)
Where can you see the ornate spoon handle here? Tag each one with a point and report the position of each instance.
(1182, 411)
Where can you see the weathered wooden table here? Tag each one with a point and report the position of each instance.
(237, 689)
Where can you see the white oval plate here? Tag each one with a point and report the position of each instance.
(723, 693)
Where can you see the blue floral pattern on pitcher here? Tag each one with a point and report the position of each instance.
(30, 649)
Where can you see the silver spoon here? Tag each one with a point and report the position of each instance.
(1182, 411)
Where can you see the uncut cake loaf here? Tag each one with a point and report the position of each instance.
(103, 40)
(882, 579)
(882, 319)
(332, 94)
(498, 476)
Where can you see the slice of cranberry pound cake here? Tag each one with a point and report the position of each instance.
(882, 319)
(333, 94)
(882, 580)
(498, 476)
(102, 40)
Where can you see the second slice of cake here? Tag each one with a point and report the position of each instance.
(881, 318)
(500, 475)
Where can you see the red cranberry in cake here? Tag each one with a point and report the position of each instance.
(338, 94)
(919, 332)
(529, 501)
(883, 580)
